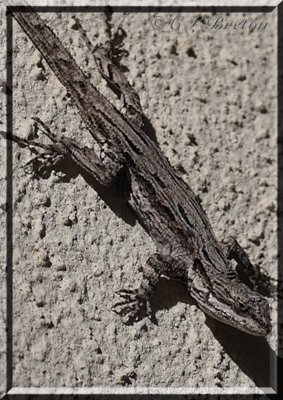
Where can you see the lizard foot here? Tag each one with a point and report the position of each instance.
(133, 306)
(42, 163)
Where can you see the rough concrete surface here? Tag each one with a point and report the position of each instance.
(210, 95)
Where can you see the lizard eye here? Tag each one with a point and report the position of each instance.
(242, 307)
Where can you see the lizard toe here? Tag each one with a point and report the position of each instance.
(131, 306)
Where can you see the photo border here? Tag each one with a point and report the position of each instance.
(135, 392)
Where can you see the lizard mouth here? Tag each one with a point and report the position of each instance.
(225, 313)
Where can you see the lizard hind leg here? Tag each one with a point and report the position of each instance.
(51, 154)
(104, 169)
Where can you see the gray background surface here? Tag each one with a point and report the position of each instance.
(71, 251)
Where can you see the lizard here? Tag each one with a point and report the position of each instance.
(164, 204)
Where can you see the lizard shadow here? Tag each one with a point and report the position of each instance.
(168, 293)
(252, 354)
(114, 195)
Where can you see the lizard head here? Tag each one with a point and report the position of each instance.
(227, 299)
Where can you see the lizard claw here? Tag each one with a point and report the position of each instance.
(45, 159)
(132, 305)
(42, 163)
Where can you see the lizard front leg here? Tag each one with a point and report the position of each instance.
(136, 300)
(104, 168)
(233, 250)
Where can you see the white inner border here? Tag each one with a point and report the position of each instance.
(137, 390)
(145, 3)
